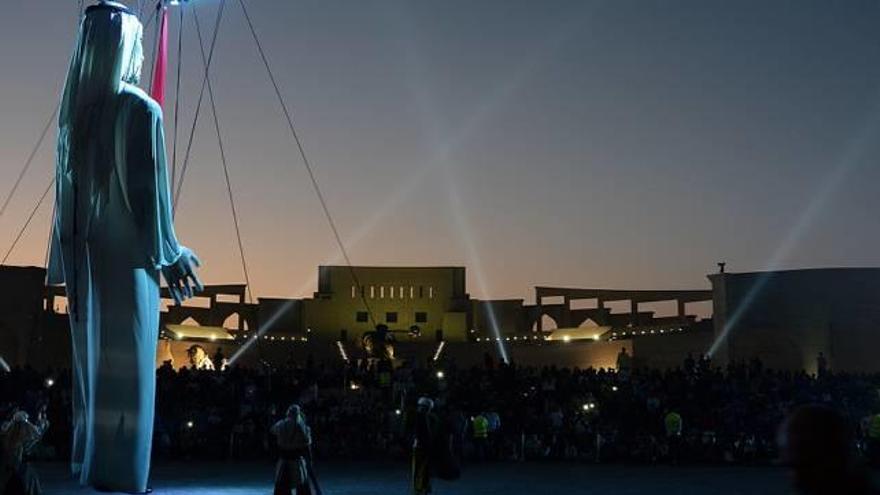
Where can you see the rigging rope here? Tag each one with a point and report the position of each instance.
(29, 161)
(157, 40)
(27, 222)
(192, 132)
(235, 220)
(177, 97)
(49, 241)
(306, 162)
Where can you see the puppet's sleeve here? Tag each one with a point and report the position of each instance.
(144, 178)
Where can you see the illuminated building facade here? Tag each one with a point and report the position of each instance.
(431, 301)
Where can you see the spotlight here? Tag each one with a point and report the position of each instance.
(440, 375)
(397, 412)
(190, 424)
(614, 388)
(566, 338)
(49, 382)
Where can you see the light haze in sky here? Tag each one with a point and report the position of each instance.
(618, 144)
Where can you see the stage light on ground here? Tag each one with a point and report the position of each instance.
(614, 388)
(397, 412)
(440, 375)
(49, 382)
(190, 424)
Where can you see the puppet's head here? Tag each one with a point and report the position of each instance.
(109, 52)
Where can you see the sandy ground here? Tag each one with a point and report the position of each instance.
(489, 479)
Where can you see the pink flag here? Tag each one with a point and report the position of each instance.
(157, 90)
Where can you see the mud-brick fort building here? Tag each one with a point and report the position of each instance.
(785, 318)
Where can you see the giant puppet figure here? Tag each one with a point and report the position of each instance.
(113, 236)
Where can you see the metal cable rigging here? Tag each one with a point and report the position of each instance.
(231, 196)
(179, 187)
(306, 162)
(177, 95)
(29, 161)
(177, 183)
(27, 222)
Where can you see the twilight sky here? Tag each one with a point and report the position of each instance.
(620, 144)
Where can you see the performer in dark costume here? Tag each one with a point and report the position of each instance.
(424, 433)
(294, 452)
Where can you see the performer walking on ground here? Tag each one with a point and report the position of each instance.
(294, 445)
(425, 432)
(112, 236)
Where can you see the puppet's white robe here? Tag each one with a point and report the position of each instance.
(113, 233)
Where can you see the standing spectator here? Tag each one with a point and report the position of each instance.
(821, 365)
(480, 425)
(17, 437)
(423, 444)
(673, 423)
(817, 445)
(624, 363)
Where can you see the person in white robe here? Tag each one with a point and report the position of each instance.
(294, 439)
(112, 237)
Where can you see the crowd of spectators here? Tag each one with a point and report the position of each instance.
(697, 412)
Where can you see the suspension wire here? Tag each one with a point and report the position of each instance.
(27, 222)
(235, 220)
(177, 96)
(157, 40)
(306, 162)
(29, 161)
(49, 241)
(192, 131)
(151, 19)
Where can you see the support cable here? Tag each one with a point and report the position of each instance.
(49, 241)
(27, 222)
(299, 145)
(29, 161)
(177, 96)
(192, 132)
(223, 161)
(157, 39)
